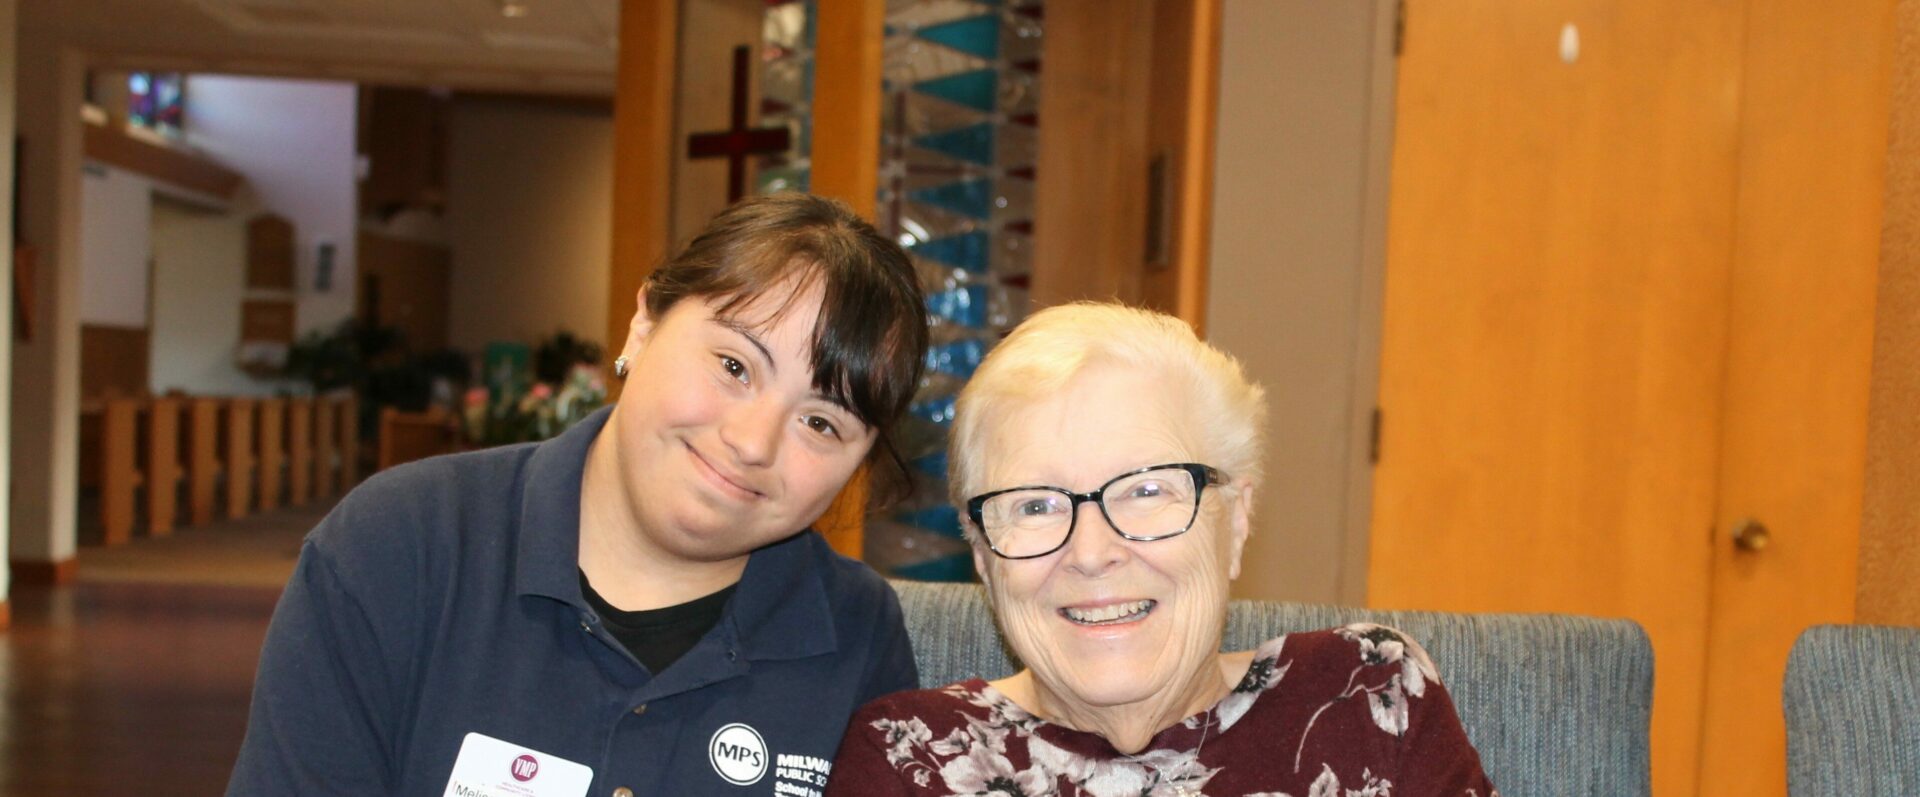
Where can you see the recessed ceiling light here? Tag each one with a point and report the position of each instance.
(513, 9)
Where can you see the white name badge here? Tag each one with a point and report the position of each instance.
(489, 767)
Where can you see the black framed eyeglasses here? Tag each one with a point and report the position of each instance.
(1143, 505)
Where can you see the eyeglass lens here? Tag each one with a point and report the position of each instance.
(1153, 504)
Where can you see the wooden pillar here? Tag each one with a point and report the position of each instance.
(163, 465)
(643, 146)
(299, 451)
(846, 166)
(203, 457)
(846, 102)
(239, 457)
(270, 442)
(119, 468)
(325, 446)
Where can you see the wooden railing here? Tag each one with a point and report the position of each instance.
(187, 459)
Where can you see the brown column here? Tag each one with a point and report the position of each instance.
(643, 144)
(846, 102)
(846, 166)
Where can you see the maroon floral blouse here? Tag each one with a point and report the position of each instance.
(1348, 712)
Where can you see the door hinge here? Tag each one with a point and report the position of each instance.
(1399, 28)
(1373, 438)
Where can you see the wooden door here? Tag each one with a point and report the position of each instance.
(1554, 322)
(1814, 99)
(1628, 305)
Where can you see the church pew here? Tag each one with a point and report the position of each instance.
(299, 451)
(160, 440)
(407, 436)
(326, 446)
(203, 458)
(118, 441)
(270, 449)
(238, 460)
(348, 424)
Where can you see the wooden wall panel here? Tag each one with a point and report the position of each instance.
(114, 361)
(169, 165)
(270, 252)
(1089, 201)
(1890, 521)
(406, 285)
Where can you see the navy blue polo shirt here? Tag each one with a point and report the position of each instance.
(443, 597)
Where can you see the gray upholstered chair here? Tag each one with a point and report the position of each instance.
(1556, 705)
(1852, 698)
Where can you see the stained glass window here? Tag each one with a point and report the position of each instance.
(786, 92)
(156, 101)
(958, 143)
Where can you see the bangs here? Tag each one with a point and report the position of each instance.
(866, 340)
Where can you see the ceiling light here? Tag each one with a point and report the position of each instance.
(513, 9)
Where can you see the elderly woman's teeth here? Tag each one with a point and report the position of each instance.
(1112, 613)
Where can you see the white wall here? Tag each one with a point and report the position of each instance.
(199, 276)
(294, 141)
(529, 216)
(1297, 246)
(114, 246)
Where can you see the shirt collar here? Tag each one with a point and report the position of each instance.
(548, 555)
(780, 610)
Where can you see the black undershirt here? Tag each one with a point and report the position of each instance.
(659, 637)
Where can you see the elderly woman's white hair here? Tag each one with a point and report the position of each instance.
(1054, 345)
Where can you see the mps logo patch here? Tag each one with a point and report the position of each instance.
(738, 754)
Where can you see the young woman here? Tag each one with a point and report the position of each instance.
(636, 606)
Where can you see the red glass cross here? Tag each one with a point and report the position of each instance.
(738, 141)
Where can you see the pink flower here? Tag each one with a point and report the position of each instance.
(476, 397)
(542, 391)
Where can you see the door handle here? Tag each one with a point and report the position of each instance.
(1751, 535)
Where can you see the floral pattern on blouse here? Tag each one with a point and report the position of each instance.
(1356, 711)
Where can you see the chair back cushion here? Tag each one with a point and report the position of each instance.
(1852, 698)
(1556, 704)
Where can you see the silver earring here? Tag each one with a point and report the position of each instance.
(620, 366)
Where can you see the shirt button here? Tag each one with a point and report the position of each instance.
(732, 655)
(640, 709)
(623, 792)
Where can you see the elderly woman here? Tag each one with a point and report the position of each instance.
(1107, 462)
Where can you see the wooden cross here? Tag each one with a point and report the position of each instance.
(738, 141)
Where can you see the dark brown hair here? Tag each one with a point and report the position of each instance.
(870, 339)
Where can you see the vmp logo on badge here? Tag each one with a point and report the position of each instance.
(525, 767)
(738, 754)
